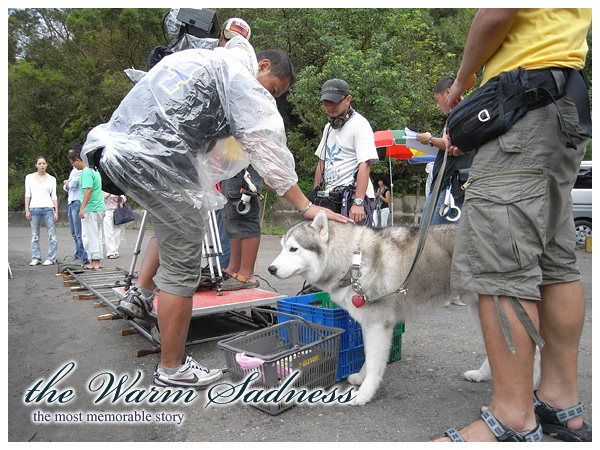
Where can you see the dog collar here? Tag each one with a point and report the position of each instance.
(355, 268)
(353, 274)
(346, 280)
(359, 299)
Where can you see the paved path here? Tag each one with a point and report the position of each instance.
(421, 396)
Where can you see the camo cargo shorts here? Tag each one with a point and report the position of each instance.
(180, 256)
(516, 231)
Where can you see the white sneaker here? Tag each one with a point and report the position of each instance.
(136, 305)
(48, 263)
(35, 262)
(189, 374)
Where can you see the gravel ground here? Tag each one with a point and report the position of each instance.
(50, 332)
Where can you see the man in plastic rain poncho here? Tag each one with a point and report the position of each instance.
(179, 131)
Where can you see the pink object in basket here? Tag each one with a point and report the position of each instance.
(248, 362)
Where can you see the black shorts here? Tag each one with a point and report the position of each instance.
(238, 226)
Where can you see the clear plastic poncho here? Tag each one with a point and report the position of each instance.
(196, 118)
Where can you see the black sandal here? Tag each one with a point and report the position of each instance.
(502, 432)
(554, 421)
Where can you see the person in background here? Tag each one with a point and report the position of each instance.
(242, 229)
(440, 92)
(345, 153)
(41, 202)
(382, 202)
(231, 28)
(91, 212)
(71, 186)
(112, 232)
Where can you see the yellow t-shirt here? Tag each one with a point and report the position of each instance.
(543, 37)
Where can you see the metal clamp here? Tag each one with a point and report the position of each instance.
(449, 206)
(484, 115)
(355, 272)
(243, 205)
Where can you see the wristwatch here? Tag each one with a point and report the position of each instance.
(429, 140)
(358, 201)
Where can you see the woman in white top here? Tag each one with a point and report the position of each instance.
(41, 202)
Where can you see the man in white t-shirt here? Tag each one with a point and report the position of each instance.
(345, 153)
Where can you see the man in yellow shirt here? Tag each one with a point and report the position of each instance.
(518, 226)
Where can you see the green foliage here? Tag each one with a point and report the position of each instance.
(16, 193)
(588, 152)
(275, 231)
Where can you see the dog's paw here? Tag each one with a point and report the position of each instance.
(365, 393)
(475, 375)
(356, 379)
(360, 399)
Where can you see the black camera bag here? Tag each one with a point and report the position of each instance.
(491, 110)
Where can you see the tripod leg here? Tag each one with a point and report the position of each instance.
(213, 245)
(137, 250)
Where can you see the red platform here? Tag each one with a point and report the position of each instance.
(208, 302)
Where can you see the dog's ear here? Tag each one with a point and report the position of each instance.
(321, 224)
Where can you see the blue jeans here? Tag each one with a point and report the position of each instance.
(380, 217)
(436, 218)
(75, 225)
(36, 219)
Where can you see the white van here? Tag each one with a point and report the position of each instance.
(582, 202)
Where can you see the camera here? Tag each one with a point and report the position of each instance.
(191, 28)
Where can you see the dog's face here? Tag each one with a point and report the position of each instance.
(304, 250)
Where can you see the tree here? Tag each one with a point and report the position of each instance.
(65, 72)
(66, 76)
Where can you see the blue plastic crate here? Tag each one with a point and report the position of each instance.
(312, 307)
(318, 308)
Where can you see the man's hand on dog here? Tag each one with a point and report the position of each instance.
(314, 209)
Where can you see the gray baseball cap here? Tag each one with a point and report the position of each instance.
(334, 90)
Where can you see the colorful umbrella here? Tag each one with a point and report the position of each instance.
(386, 139)
(394, 143)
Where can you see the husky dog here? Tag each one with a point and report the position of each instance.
(321, 252)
